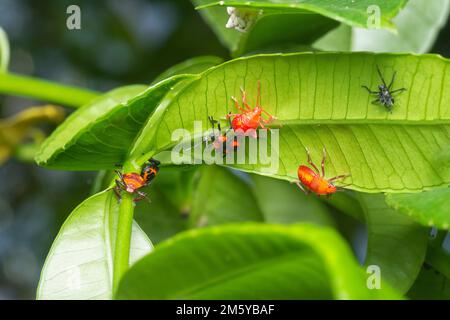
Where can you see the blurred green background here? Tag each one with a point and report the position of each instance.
(121, 42)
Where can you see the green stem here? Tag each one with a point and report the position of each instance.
(123, 239)
(20, 85)
(124, 225)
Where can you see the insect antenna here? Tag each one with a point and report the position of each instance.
(258, 94)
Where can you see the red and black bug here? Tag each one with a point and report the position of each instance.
(250, 118)
(133, 182)
(314, 181)
(219, 140)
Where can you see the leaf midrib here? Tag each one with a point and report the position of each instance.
(360, 122)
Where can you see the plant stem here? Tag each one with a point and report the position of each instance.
(123, 238)
(124, 226)
(20, 85)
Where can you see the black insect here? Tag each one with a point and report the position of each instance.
(385, 92)
(221, 140)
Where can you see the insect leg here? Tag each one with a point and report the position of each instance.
(142, 195)
(323, 162)
(376, 101)
(370, 91)
(381, 76)
(343, 176)
(244, 100)
(341, 188)
(236, 104)
(137, 199)
(310, 161)
(120, 184)
(301, 188)
(271, 117)
(229, 115)
(117, 192)
(398, 90)
(213, 122)
(229, 123)
(119, 174)
(392, 81)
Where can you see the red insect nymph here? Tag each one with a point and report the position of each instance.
(132, 182)
(314, 181)
(251, 118)
(220, 141)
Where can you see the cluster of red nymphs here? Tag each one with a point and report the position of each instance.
(246, 122)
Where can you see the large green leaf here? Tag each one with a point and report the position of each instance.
(190, 66)
(282, 202)
(160, 219)
(222, 197)
(418, 26)
(430, 208)
(354, 13)
(270, 29)
(433, 279)
(319, 102)
(348, 203)
(430, 285)
(276, 262)
(167, 213)
(98, 135)
(396, 244)
(80, 262)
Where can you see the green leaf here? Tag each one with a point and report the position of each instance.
(396, 244)
(160, 219)
(339, 39)
(276, 262)
(222, 197)
(170, 206)
(4, 51)
(430, 208)
(282, 202)
(430, 285)
(348, 203)
(98, 135)
(190, 66)
(80, 262)
(269, 30)
(433, 279)
(319, 102)
(354, 13)
(418, 26)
